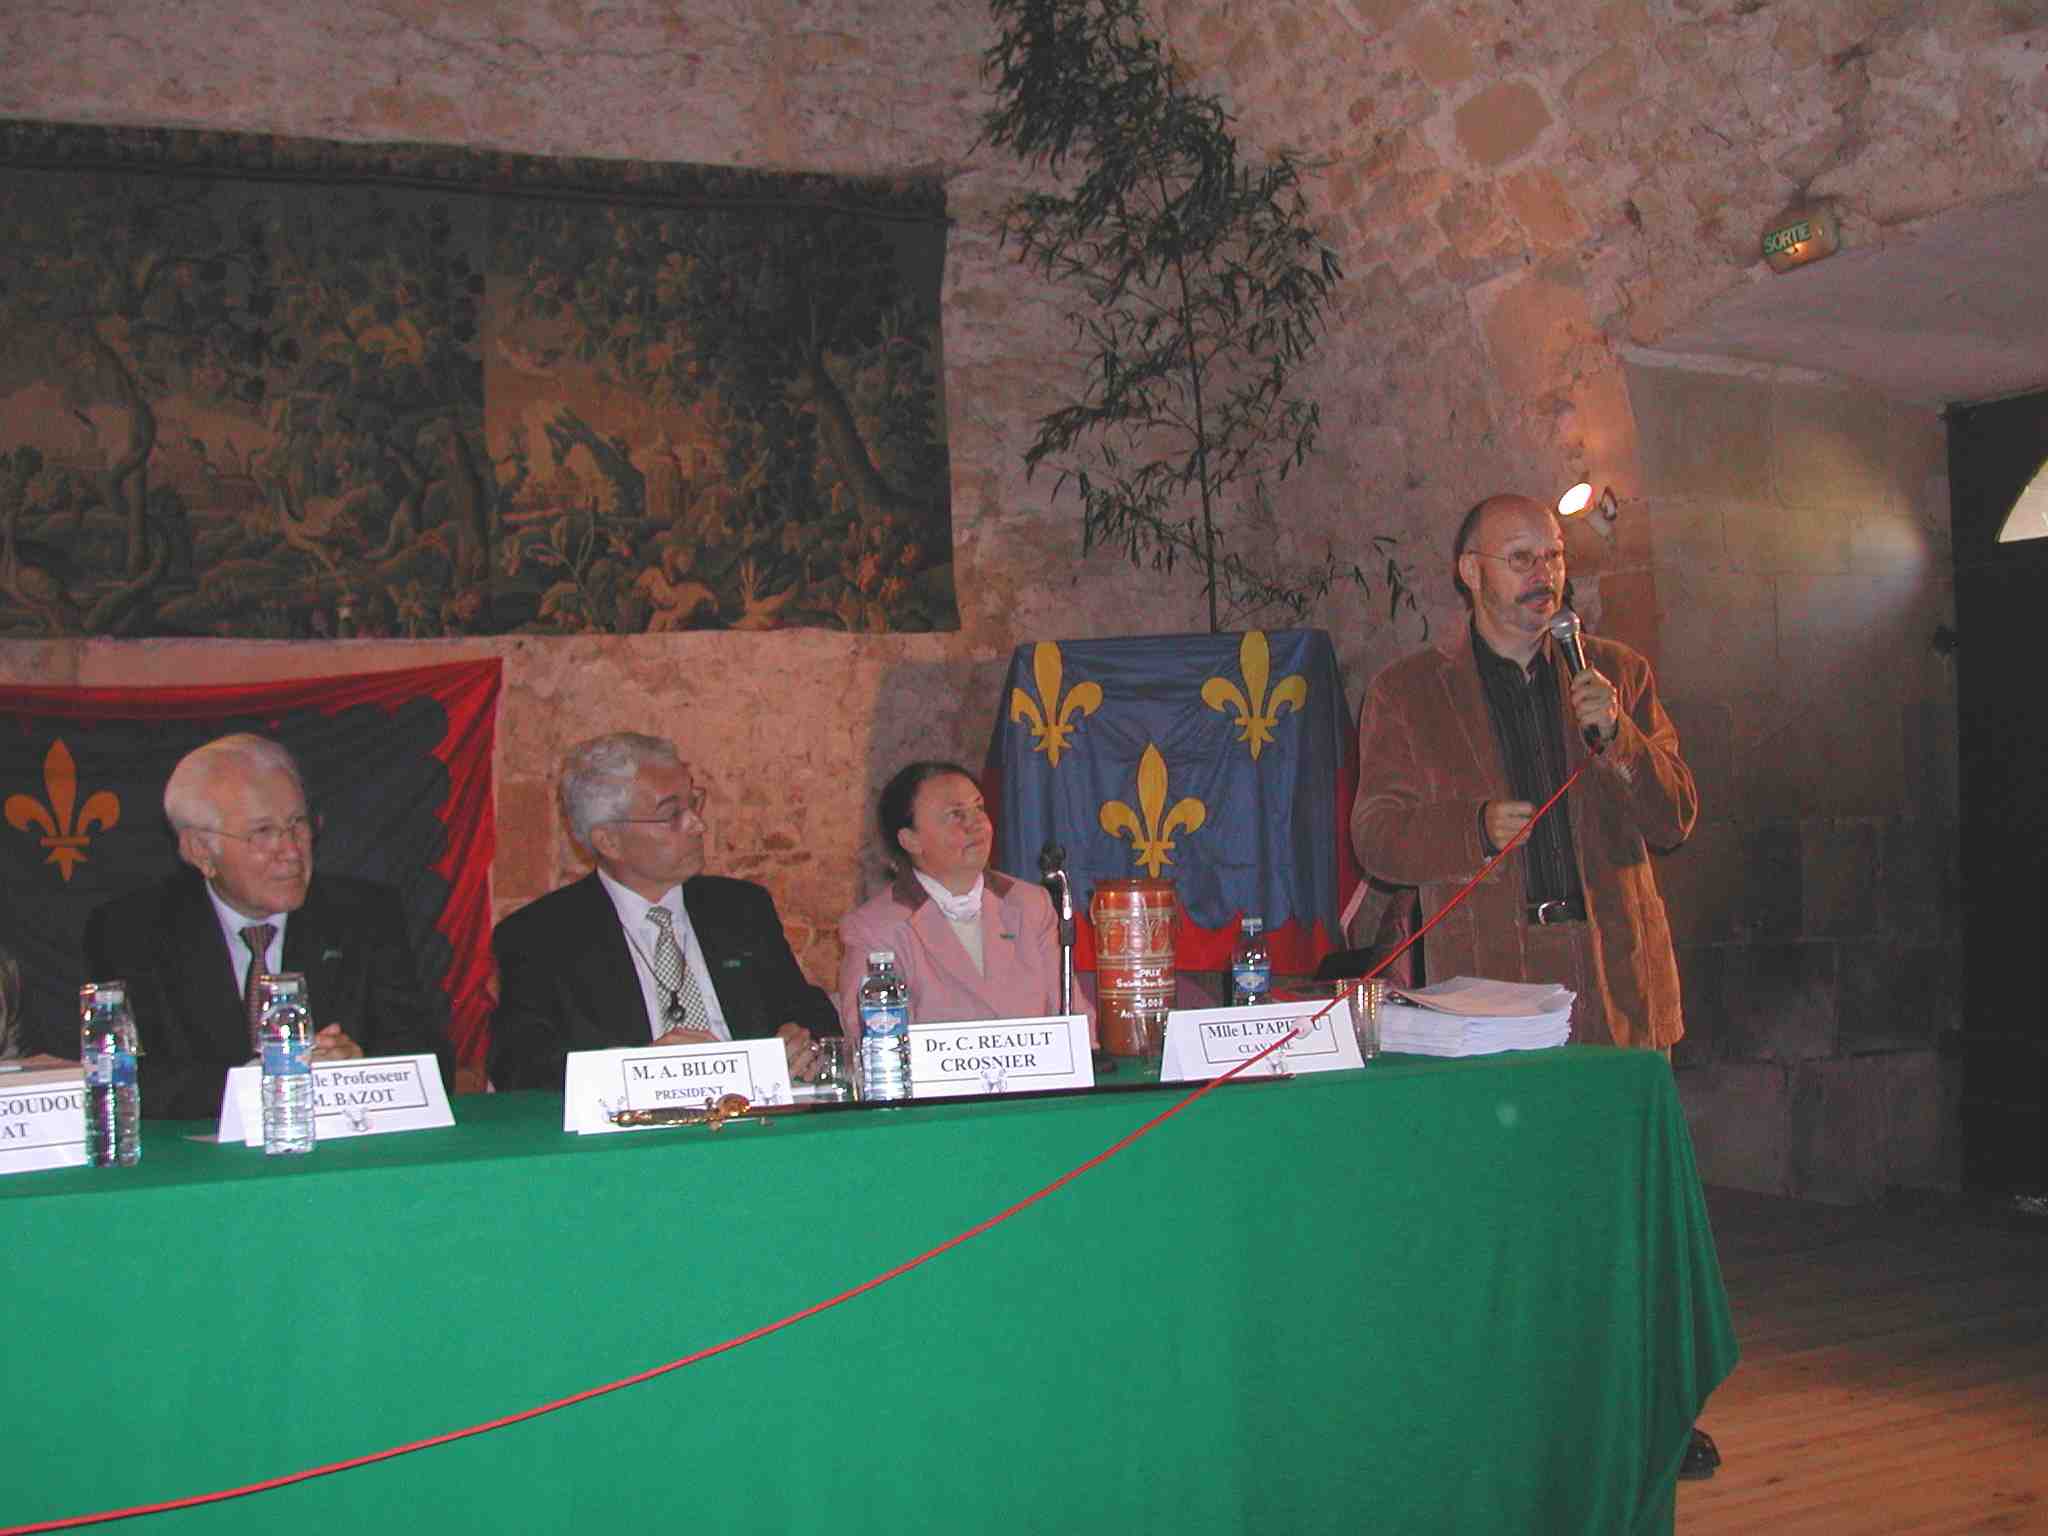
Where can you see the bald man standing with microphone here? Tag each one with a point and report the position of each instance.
(1460, 743)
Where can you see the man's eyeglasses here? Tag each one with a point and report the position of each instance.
(694, 806)
(1523, 561)
(274, 836)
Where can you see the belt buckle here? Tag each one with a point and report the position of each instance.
(1549, 912)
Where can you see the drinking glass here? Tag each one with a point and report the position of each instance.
(1366, 998)
(833, 1083)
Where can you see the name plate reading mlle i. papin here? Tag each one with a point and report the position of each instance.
(598, 1085)
(1202, 1043)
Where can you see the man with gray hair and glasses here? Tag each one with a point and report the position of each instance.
(246, 903)
(647, 948)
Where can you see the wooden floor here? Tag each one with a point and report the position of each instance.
(1894, 1373)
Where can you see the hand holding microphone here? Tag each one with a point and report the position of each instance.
(1593, 698)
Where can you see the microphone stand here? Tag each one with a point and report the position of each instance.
(1052, 866)
(1064, 905)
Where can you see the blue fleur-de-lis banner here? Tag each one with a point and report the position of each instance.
(1224, 763)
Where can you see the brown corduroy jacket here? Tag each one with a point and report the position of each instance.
(1428, 761)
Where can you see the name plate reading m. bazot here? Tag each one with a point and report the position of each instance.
(597, 1083)
(1000, 1056)
(42, 1120)
(371, 1097)
(1202, 1043)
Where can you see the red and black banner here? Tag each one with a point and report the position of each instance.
(398, 765)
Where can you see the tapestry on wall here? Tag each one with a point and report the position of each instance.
(285, 388)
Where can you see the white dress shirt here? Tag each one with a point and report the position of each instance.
(231, 925)
(641, 936)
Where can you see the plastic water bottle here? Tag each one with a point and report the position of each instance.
(1251, 967)
(884, 1029)
(285, 1033)
(106, 1048)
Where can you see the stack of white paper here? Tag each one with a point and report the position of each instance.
(1468, 1016)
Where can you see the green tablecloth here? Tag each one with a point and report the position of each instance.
(1474, 1296)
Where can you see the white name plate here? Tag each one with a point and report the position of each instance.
(597, 1083)
(1202, 1043)
(1000, 1056)
(42, 1120)
(374, 1096)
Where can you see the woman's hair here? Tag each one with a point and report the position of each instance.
(899, 796)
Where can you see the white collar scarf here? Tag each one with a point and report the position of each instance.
(959, 909)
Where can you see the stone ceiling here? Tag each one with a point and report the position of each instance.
(1950, 309)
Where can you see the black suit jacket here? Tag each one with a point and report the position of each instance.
(348, 940)
(566, 980)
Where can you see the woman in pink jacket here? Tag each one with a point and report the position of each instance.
(972, 942)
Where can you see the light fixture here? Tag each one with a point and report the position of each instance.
(1575, 501)
(2028, 518)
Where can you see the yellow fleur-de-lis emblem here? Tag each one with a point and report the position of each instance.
(1256, 712)
(64, 838)
(1050, 715)
(1152, 838)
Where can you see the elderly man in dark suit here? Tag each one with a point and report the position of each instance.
(249, 902)
(645, 948)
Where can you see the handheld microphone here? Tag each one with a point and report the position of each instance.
(1564, 629)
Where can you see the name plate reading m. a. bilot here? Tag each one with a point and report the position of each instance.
(595, 1084)
(42, 1120)
(374, 1096)
(1000, 1056)
(1202, 1043)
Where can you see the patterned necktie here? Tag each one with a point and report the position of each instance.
(685, 1003)
(257, 936)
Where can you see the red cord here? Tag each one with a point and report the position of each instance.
(73, 1522)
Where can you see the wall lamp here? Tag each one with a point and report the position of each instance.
(1580, 497)
(2028, 518)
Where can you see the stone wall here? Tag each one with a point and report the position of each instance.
(1518, 194)
(1801, 538)
(793, 732)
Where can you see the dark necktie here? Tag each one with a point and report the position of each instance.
(257, 936)
(684, 1003)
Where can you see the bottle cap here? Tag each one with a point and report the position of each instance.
(103, 994)
(881, 957)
